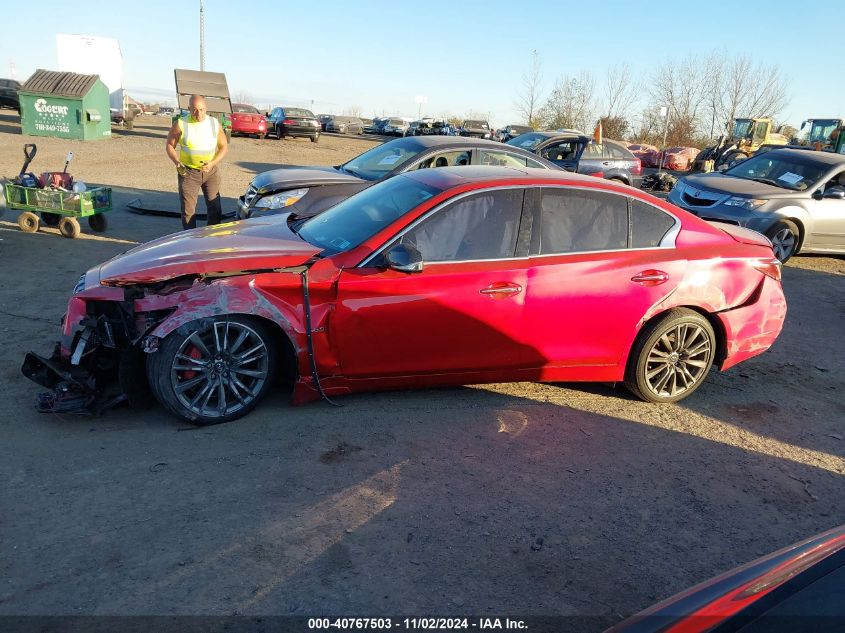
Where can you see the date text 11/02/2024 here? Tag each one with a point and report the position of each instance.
(434, 624)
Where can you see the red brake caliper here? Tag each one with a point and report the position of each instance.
(193, 353)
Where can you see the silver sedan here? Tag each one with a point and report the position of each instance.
(794, 197)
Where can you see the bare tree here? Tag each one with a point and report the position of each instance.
(752, 90)
(353, 110)
(679, 86)
(649, 127)
(570, 104)
(242, 96)
(713, 80)
(619, 93)
(528, 103)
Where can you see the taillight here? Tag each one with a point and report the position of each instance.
(638, 168)
(288, 122)
(597, 174)
(769, 267)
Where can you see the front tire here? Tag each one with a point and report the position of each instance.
(28, 222)
(671, 357)
(785, 238)
(213, 370)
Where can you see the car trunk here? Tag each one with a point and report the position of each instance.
(742, 235)
(245, 119)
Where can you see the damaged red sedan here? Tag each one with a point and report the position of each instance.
(443, 276)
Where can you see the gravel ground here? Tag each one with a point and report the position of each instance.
(520, 499)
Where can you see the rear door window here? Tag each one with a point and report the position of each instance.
(649, 225)
(617, 152)
(578, 220)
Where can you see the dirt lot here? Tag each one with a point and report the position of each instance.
(516, 500)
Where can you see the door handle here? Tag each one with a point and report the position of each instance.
(651, 277)
(501, 289)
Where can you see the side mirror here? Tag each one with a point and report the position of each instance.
(834, 193)
(404, 258)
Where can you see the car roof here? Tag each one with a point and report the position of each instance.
(448, 141)
(560, 135)
(448, 177)
(829, 158)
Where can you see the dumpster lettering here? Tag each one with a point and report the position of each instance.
(52, 127)
(42, 107)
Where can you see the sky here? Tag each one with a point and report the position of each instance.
(462, 56)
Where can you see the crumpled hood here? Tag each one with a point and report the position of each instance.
(256, 244)
(720, 183)
(289, 177)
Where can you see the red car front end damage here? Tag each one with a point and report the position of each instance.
(344, 322)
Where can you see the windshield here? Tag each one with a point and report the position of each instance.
(348, 223)
(527, 141)
(482, 124)
(742, 128)
(822, 130)
(396, 122)
(244, 109)
(784, 172)
(382, 159)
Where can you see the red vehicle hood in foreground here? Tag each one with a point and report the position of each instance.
(805, 578)
(259, 244)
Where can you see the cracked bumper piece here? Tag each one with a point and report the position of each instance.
(49, 372)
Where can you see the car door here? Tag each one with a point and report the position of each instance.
(462, 314)
(595, 159)
(595, 273)
(828, 214)
(566, 153)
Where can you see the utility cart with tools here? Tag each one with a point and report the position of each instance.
(56, 199)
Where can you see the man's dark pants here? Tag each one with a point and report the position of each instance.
(189, 188)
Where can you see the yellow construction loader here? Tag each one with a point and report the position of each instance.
(746, 138)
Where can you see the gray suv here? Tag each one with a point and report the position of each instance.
(794, 197)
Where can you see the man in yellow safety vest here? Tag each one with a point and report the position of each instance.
(202, 145)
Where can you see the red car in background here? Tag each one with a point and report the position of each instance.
(679, 158)
(447, 276)
(246, 119)
(640, 150)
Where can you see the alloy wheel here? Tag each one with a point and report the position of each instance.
(678, 360)
(220, 370)
(784, 243)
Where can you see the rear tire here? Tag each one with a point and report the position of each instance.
(213, 370)
(28, 222)
(98, 222)
(69, 227)
(671, 357)
(785, 237)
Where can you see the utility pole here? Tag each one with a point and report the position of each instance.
(202, 36)
(662, 154)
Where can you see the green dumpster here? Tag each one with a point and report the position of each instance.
(65, 105)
